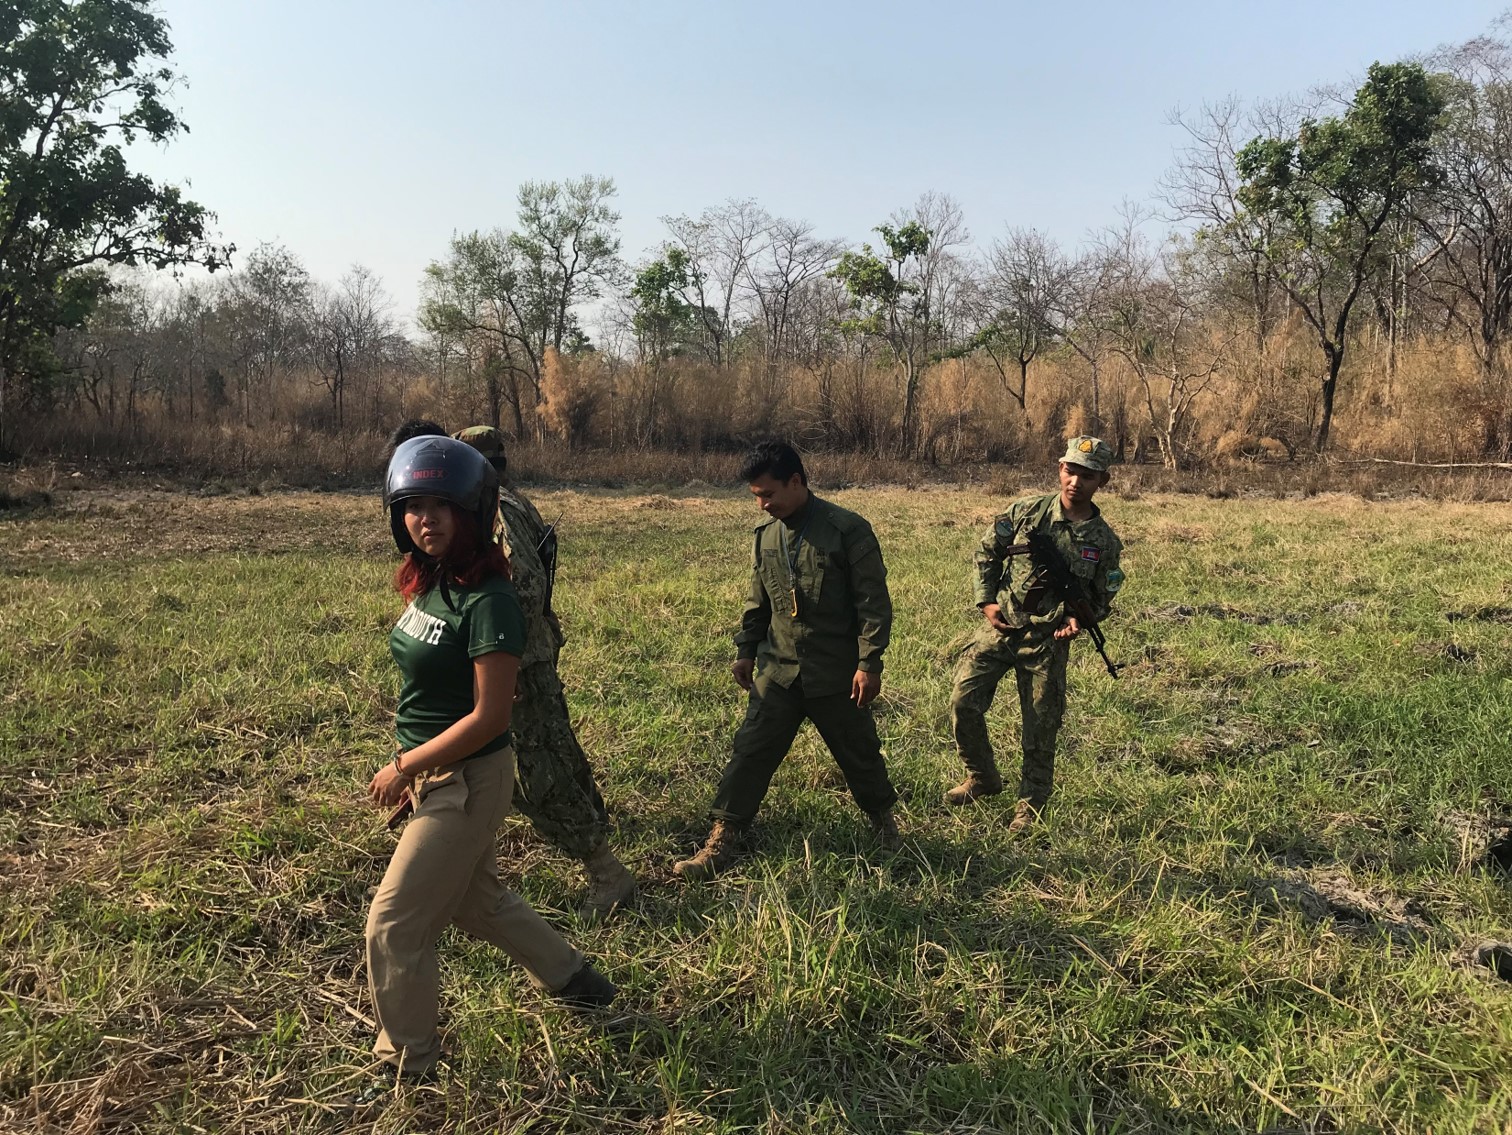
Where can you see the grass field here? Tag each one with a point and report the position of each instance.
(1252, 907)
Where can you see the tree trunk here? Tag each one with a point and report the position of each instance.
(910, 408)
(1330, 385)
(4, 411)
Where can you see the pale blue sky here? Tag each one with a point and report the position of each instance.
(369, 132)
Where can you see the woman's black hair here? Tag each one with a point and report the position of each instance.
(415, 427)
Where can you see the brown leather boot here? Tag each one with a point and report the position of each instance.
(974, 787)
(719, 851)
(610, 883)
(1025, 816)
(886, 829)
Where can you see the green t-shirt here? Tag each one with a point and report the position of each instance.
(434, 646)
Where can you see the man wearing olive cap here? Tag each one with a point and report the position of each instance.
(1026, 628)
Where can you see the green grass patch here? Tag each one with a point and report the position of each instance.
(1247, 910)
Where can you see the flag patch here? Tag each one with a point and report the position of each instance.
(1091, 554)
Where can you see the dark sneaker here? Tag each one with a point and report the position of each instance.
(587, 989)
(386, 1081)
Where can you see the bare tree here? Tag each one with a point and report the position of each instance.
(266, 307)
(1024, 288)
(1157, 327)
(1466, 218)
(792, 257)
(719, 246)
(353, 329)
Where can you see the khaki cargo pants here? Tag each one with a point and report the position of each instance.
(1038, 662)
(445, 872)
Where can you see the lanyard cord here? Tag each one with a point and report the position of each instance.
(793, 551)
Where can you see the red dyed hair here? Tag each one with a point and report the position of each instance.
(468, 562)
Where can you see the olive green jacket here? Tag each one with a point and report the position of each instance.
(844, 615)
(523, 530)
(1089, 547)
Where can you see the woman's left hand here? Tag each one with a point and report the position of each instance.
(387, 786)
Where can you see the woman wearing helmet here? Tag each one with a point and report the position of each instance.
(458, 647)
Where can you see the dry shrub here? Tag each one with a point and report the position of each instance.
(571, 395)
(1079, 421)
(1234, 445)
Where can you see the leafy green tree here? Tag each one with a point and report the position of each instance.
(666, 323)
(512, 295)
(568, 251)
(78, 80)
(1319, 201)
(890, 305)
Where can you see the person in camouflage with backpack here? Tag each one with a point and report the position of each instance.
(1027, 630)
(557, 791)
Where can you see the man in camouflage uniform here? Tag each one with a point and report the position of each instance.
(1026, 628)
(556, 787)
(815, 624)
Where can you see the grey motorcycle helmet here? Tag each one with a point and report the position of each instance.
(438, 466)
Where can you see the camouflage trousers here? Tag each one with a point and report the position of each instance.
(1038, 662)
(555, 787)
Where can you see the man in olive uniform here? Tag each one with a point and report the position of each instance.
(1026, 628)
(556, 786)
(810, 645)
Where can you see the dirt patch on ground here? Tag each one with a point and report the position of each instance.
(1447, 651)
(1486, 954)
(1482, 615)
(1483, 840)
(1184, 612)
(1330, 897)
(1224, 742)
(1166, 531)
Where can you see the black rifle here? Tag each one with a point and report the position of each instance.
(547, 550)
(1055, 575)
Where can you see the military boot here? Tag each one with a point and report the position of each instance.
(1025, 816)
(886, 829)
(974, 787)
(719, 851)
(610, 883)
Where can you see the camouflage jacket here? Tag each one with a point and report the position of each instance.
(844, 614)
(1089, 547)
(523, 529)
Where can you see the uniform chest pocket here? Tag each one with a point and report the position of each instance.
(812, 565)
(774, 572)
